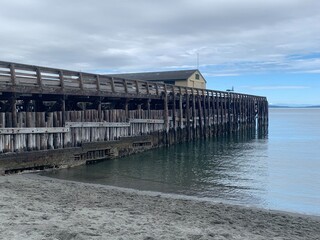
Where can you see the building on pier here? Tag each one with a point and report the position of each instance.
(184, 78)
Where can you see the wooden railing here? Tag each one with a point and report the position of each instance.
(22, 78)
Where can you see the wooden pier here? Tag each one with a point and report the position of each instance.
(44, 109)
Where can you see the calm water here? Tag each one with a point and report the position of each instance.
(280, 171)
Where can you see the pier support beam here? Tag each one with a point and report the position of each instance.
(99, 110)
(194, 115)
(13, 107)
(188, 115)
(200, 112)
(126, 108)
(213, 106)
(63, 110)
(230, 112)
(174, 113)
(180, 108)
(148, 107)
(166, 115)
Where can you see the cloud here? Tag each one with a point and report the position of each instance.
(121, 35)
(221, 74)
(278, 87)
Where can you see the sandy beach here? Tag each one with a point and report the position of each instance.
(36, 207)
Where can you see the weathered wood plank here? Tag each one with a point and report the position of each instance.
(150, 121)
(33, 130)
(96, 124)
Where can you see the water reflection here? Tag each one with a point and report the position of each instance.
(280, 171)
(225, 168)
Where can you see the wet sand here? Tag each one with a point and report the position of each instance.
(36, 207)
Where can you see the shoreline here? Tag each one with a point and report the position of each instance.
(39, 207)
(177, 196)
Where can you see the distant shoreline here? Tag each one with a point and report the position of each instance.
(280, 106)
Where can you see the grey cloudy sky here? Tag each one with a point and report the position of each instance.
(231, 36)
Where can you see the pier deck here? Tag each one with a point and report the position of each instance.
(43, 109)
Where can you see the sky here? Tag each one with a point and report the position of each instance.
(268, 48)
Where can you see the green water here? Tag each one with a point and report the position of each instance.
(279, 171)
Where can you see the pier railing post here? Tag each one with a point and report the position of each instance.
(13, 75)
(39, 78)
(61, 80)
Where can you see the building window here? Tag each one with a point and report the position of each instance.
(197, 76)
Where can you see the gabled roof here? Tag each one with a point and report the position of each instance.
(157, 76)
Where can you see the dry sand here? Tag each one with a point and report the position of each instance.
(36, 207)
